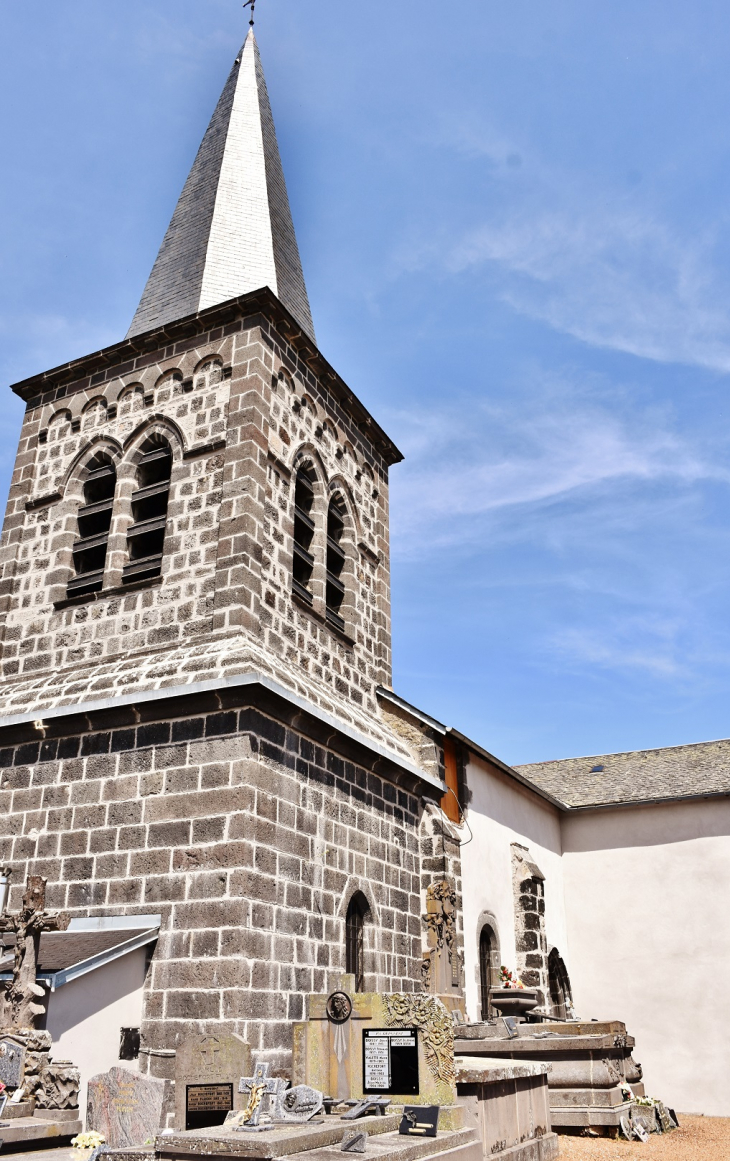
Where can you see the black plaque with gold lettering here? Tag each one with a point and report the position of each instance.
(390, 1061)
(207, 1105)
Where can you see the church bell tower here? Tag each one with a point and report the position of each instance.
(195, 625)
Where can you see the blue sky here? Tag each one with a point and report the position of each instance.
(515, 228)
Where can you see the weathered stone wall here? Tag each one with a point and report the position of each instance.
(241, 409)
(247, 832)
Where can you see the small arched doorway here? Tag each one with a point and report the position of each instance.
(561, 998)
(357, 915)
(488, 969)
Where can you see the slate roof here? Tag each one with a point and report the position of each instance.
(62, 951)
(638, 776)
(232, 230)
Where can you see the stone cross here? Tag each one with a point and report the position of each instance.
(20, 1007)
(257, 1086)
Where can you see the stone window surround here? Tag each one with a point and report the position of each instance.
(126, 463)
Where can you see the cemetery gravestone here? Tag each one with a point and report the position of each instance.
(258, 1089)
(126, 1108)
(11, 1063)
(207, 1073)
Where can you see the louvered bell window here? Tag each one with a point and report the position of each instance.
(303, 564)
(94, 522)
(335, 563)
(146, 536)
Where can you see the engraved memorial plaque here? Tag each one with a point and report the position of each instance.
(390, 1060)
(207, 1105)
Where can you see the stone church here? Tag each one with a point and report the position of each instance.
(200, 746)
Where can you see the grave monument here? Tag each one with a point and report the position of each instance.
(208, 1069)
(43, 1092)
(127, 1109)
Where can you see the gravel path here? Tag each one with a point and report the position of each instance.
(696, 1139)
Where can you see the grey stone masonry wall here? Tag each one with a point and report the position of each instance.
(528, 886)
(248, 827)
(242, 405)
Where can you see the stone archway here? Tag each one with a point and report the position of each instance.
(489, 963)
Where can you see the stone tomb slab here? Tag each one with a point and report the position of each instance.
(279, 1141)
(125, 1107)
(388, 1145)
(207, 1073)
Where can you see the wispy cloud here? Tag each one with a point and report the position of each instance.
(603, 264)
(647, 644)
(475, 460)
(613, 279)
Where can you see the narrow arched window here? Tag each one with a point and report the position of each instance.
(146, 535)
(303, 565)
(94, 522)
(357, 913)
(487, 948)
(335, 562)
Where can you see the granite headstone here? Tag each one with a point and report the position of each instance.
(125, 1107)
(207, 1071)
(12, 1056)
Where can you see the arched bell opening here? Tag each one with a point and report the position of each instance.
(94, 517)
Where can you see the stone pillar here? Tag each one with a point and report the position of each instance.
(443, 956)
(528, 885)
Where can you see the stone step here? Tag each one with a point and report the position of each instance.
(589, 1116)
(28, 1129)
(456, 1146)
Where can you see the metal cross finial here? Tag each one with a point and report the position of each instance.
(251, 4)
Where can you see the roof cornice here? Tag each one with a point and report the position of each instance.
(262, 301)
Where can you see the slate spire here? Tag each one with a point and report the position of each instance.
(232, 230)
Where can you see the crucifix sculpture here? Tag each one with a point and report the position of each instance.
(20, 1007)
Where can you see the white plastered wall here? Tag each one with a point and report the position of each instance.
(85, 1017)
(502, 812)
(647, 892)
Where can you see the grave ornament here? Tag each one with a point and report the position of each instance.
(419, 1121)
(339, 1007)
(21, 1008)
(368, 1107)
(297, 1105)
(354, 1143)
(259, 1086)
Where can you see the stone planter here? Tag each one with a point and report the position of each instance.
(513, 1001)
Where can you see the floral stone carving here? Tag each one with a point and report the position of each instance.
(435, 1025)
(441, 963)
